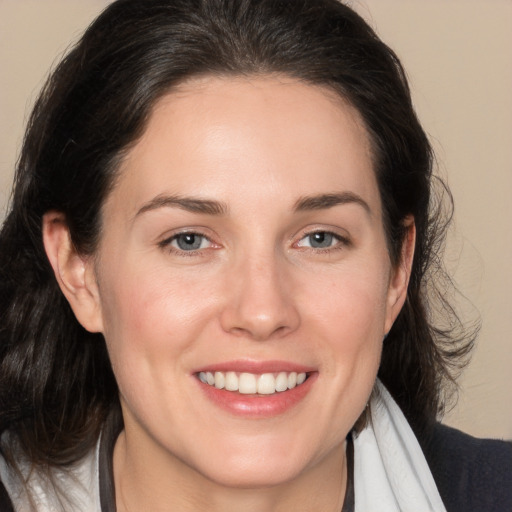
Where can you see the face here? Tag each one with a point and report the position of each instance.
(243, 280)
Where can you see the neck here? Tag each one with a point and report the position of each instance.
(146, 480)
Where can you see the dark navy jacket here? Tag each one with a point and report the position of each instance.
(472, 475)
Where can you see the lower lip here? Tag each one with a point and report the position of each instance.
(258, 406)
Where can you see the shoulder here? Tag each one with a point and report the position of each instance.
(471, 474)
(24, 486)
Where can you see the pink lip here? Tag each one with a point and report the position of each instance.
(257, 406)
(257, 367)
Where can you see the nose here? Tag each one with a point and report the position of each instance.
(260, 300)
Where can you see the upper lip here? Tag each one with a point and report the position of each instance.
(257, 367)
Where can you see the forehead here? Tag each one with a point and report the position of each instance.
(255, 136)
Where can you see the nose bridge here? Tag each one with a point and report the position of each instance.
(260, 303)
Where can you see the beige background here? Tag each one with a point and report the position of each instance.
(458, 54)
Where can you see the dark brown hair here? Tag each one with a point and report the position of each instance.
(56, 383)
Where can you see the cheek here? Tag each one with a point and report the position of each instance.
(151, 325)
(151, 314)
(351, 303)
(348, 318)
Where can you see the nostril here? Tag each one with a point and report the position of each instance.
(259, 308)
(260, 332)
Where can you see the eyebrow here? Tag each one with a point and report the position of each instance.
(190, 204)
(324, 201)
(212, 207)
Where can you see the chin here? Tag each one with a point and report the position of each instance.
(252, 475)
(259, 464)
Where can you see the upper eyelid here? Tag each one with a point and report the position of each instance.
(340, 233)
(167, 240)
(338, 237)
(186, 231)
(305, 232)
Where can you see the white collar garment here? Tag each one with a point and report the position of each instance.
(391, 473)
(73, 490)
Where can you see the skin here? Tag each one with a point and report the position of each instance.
(256, 290)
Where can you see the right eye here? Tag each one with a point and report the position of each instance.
(319, 240)
(187, 242)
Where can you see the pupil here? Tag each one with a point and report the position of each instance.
(321, 239)
(188, 242)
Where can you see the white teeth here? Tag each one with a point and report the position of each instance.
(247, 384)
(266, 384)
(231, 381)
(250, 383)
(282, 382)
(219, 380)
(292, 380)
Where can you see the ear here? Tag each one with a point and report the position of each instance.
(399, 279)
(74, 272)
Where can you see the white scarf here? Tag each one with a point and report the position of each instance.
(390, 470)
(391, 473)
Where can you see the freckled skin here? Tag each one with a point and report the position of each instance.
(256, 289)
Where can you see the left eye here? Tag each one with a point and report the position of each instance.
(319, 240)
(189, 242)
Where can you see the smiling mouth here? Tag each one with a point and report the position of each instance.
(252, 383)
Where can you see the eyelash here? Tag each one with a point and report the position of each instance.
(340, 242)
(167, 244)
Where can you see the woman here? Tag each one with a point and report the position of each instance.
(214, 273)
